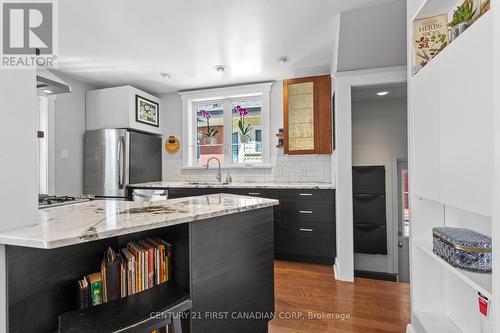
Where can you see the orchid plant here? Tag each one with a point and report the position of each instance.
(244, 129)
(211, 132)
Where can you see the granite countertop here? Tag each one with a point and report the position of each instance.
(88, 221)
(263, 185)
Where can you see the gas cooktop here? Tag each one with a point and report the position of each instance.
(47, 201)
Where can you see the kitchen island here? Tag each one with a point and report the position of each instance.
(222, 263)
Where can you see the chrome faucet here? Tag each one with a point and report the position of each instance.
(219, 176)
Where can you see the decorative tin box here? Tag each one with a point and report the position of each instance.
(463, 248)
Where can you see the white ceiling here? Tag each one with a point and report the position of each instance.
(110, 42)
(369, 93)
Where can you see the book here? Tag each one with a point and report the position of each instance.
(131, 275)
(95, 282)
(159, 260)
(110, 269)
(430, 36)
(168, 258)
(132, 247)
(103, 279)
(150, 262)
(123, 276)
(84, 300)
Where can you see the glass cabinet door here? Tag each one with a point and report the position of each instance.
(301, 116)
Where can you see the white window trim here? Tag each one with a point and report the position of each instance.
(189, 119)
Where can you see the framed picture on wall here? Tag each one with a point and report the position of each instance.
(146, 111)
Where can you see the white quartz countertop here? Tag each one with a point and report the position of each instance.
(88, 221)
(270, 185)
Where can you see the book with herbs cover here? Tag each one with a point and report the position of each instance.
(430, 36)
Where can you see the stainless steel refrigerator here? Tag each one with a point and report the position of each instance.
(115, 158)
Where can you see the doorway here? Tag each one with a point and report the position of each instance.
(379, 144)
(403, 223)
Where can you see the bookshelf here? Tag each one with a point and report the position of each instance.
(130, 314)
(432, 322)
(452, 172)
(477, 281)
(42, 294)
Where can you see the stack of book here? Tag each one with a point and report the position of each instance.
(141, 265)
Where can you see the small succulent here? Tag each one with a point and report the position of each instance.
(465, 12)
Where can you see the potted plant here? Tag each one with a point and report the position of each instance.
(210, 133)
(485, 6)
(244, 129)
(462, 18)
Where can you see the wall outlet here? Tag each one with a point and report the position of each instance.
(65, 154)
(302, 171)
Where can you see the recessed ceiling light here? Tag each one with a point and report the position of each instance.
(282, 59)
(220, 68)
(382, 93)
(47, 91)
(165, 75)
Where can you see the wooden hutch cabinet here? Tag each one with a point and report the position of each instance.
(307, 108)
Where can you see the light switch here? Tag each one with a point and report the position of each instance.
(64, 154)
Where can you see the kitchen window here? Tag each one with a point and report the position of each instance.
(231, 124)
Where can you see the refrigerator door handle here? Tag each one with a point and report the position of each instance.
(121, 160)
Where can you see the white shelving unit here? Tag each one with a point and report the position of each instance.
(436, 323)
(452, 171)
(477, 281)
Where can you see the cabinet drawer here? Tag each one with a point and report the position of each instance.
(262, 193)
(370, 238)
(174, 193)
(307, 211)
(369, 209)
(306, 239)
(368, 179)
(325, 195)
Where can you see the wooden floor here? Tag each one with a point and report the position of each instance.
(366, 306)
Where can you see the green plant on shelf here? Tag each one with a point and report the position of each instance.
(464, 13)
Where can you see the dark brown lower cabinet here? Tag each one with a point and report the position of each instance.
(304, 222)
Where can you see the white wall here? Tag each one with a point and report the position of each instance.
(69, 126)
(342, 161)
(316, 168)
(18, 150)
(18, 161)
(372, 37)
(379, 137)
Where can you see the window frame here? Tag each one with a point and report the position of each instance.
(227, 95)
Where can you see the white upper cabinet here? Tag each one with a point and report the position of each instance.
(466, 120)
(123, 107)
(425, 124)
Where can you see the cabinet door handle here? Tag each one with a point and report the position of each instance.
(305, 194)
(306, 229)
(253, 193)
(305, 211)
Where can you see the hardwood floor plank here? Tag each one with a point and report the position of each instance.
(322, 304)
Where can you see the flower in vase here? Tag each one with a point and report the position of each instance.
(244, 129)
(211, 132)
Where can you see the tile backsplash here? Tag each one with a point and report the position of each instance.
(310, 168)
